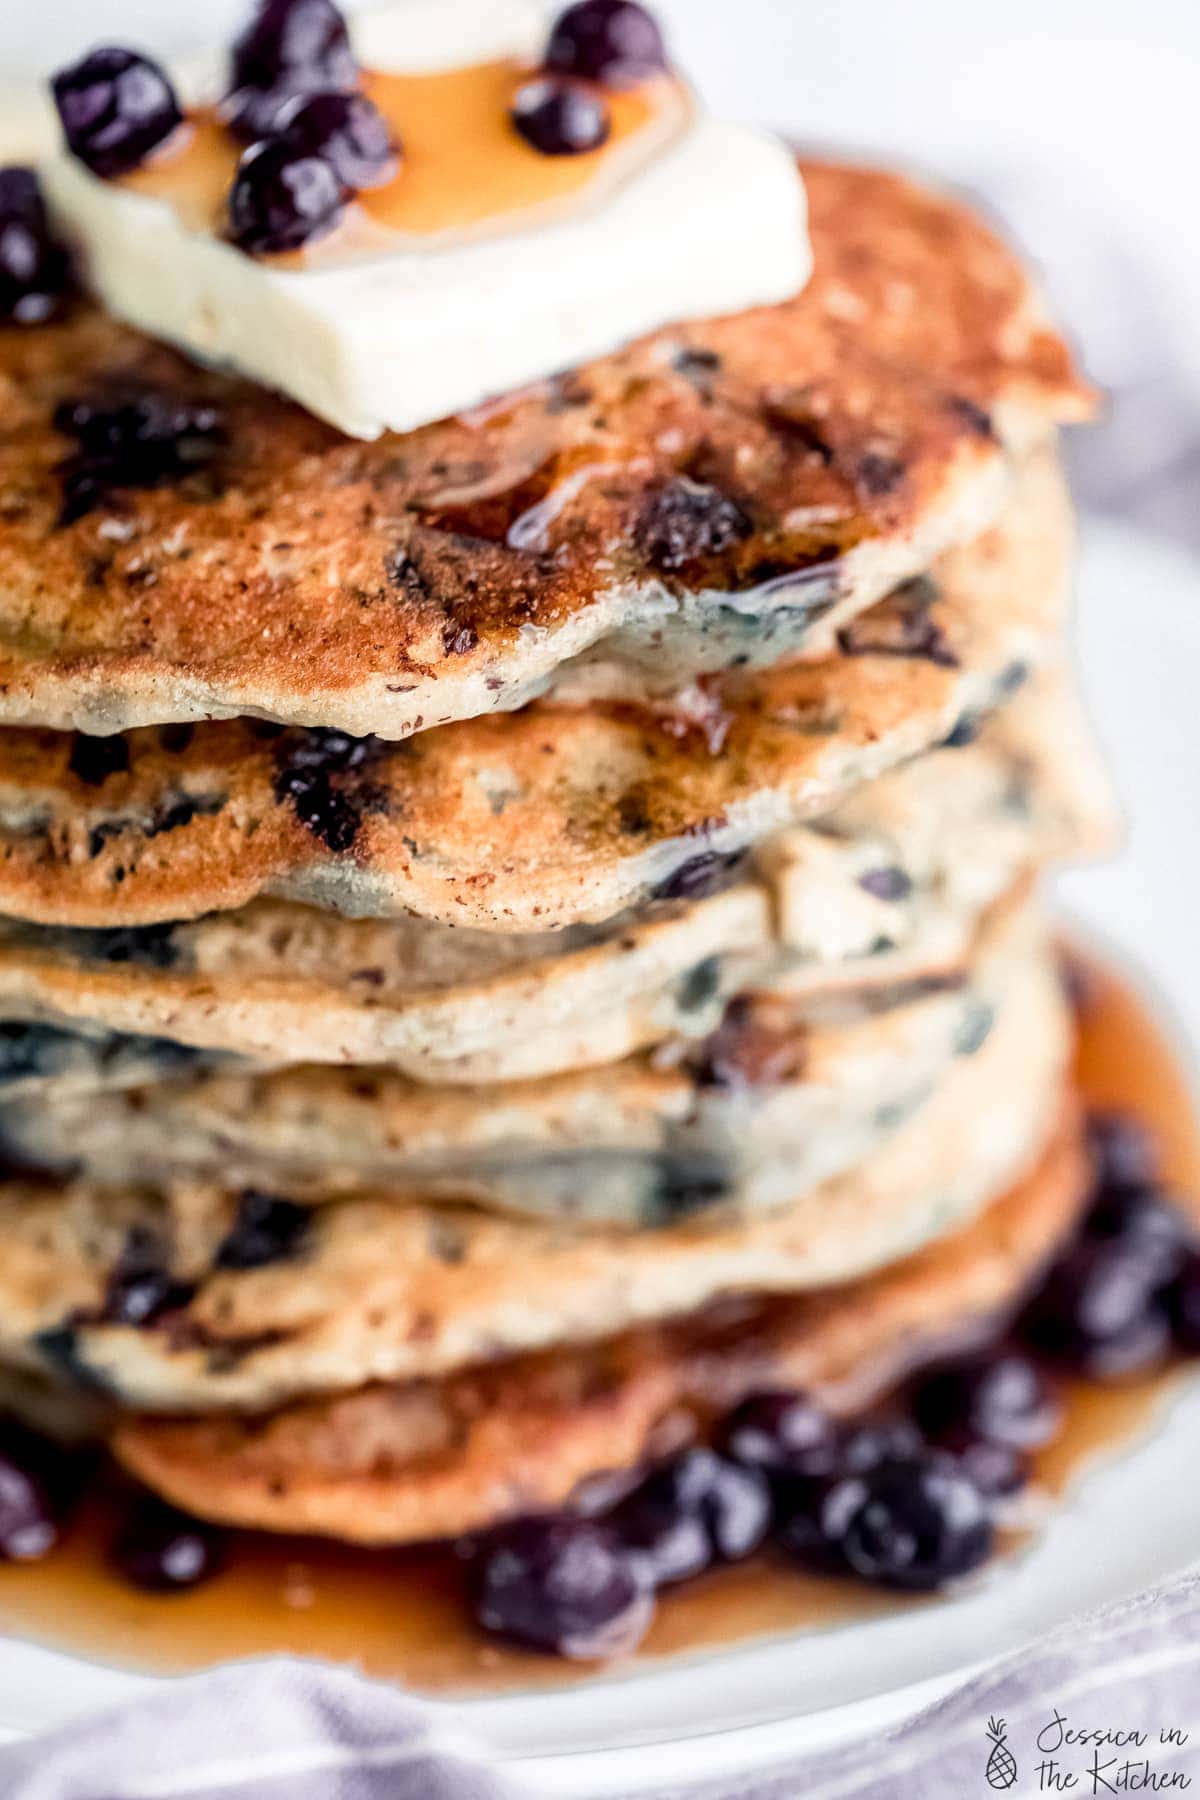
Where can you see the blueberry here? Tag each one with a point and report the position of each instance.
(301, 45)
(558, 118)
(265, 1230)
(283, 196)
(116, 107)
(94, 759)
(694, 1511)
(1099, 1310)
(999, 1396)
(878, 1441)
(700, 876)
(997, 1470)
(141, 1288)
(779, 1431)
(134, 439)
(349, 132)
(561, 1584)
(1124, 1151)
(687, 520)
(614, 41)
(1146, 1225)
(1183, 1304)
(34, 271)
(914, 1523)
(256, 113)
(164, 1551)
(32, 1493)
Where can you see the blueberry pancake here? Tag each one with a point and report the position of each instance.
(177, 545)
(38, 1061)
(887, 890)
(553, 816)
(752, 1116)
(200, 1297)
(395, 1463)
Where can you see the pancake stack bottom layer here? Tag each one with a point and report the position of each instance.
(517, 936)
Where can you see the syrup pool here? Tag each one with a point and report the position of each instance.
(404, 1615)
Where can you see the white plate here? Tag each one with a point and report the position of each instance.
(1140, 646)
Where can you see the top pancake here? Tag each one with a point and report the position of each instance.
(803, 458)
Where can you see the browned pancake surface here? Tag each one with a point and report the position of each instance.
(392, 1463)
(391, 586)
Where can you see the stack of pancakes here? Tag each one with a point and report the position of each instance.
(518, 934)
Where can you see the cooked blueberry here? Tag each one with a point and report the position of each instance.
(165, 1551)
(781, 1430)
(31, 1494)
(699, 1509)
(687, 520)
(1125, 1152)
(614, 41)
(256, 113)
(878, 1441)
(1183, 1304)
(349, 132)
(266, 1230)
(283, 196)
(559, 118)
(563, 1585)
(141, 1287)
(914, 1523)
(94, 759)
(34, 271)
(886, 884)
(700, 876)
(903, 626)
(684, 1185)
(1146, 1226)
(309, 765)
(997, 1470)
(1000, 1396)
(1099, 1310)
(302, 45)
(131, 439)
(116, 107)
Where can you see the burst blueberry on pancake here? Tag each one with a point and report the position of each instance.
(255, 1299)
(886, 891)
(556, 815)
(751, 1117)
(175, 545)
(392, 1463)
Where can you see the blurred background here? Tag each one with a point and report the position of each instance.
(1076, 121)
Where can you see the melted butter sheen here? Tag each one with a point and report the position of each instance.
(464, 168)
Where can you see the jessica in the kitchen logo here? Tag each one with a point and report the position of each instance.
(1085, 1757)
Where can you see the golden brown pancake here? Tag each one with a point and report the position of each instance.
(269, 1301)
(802, 459)
(886, 891)
(544, 818)
(428, 1459)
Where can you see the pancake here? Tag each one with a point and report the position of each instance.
(37, 1061)
(886, 891)
(754, 1116)
(540, 819)
(256, 1300)
(390, 1464)
(729, 489)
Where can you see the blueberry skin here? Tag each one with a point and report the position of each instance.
(999, 1397)
(613, 41)
(163, 1551)
(560, 119)
(1100, 1311)
(916, 1524)
(33, 1493)
(1147, 1225)
(782, 1431)
(34, 269)
(283, 197)
(116, 107)
(562, 1585)
(299, 45)
(695, 1511)
(1183, 1304)
(349, 132)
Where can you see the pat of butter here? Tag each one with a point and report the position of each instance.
(385, 330)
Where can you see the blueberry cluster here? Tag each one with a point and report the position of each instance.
(906, 1501)
(613, 43)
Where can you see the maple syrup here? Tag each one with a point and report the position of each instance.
(404, 1614)
(464, 169)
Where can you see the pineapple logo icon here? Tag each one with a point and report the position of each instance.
(1001, 1764)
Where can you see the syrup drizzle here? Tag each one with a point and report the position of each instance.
(403, 1614)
